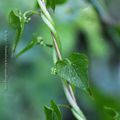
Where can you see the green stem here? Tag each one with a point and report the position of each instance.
(57, 45)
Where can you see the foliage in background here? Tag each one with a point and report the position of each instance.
(90, 24)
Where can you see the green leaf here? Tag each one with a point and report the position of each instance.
(75, 70)
(17, 20)
(53, 3)
(60, 1)
(56, 110)
(53, 112)
(115, 114)
(30, 45)
(37, 40)
(14, 19)
(48, 112)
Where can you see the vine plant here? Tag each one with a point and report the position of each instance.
(73, 70)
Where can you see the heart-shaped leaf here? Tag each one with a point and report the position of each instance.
(74, 70)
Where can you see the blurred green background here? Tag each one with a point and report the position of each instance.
(88, 26)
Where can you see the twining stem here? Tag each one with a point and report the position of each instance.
(57, 45)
